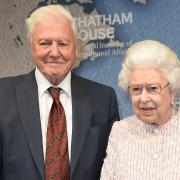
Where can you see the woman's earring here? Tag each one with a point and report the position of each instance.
(172, 103)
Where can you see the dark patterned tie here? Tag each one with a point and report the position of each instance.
(57, 159)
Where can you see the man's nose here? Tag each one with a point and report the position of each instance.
(55, 50)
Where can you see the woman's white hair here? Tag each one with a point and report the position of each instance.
(154, 54)
(45, 11)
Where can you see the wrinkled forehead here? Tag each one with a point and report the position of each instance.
(55, 28)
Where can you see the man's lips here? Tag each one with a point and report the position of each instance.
(55, 62)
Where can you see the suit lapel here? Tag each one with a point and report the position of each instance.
(82, 107)
(27, 102)
(28, 106)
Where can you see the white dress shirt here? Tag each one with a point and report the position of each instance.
(45, 103)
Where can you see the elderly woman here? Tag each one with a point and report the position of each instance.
(146, 146)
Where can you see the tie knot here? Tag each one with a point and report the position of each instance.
(54, 92)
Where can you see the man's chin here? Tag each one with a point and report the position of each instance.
(54, 77)
(51, 70)
(54, 73)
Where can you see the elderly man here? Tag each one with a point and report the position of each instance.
(53, 124)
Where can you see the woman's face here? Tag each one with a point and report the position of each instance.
(150, 95)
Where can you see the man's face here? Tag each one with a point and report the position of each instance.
(53, 47)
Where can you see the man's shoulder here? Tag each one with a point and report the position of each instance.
(11, 80)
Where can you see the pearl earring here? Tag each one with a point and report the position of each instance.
(172, 102)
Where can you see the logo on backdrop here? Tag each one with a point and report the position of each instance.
(97, 33)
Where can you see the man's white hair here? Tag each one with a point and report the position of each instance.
(45, 11)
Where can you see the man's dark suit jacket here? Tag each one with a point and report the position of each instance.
(21, 152)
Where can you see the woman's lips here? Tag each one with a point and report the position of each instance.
(146, 110)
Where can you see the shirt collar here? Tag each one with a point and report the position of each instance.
(43, 84)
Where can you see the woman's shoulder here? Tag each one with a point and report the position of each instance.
(124, 122)
(123, 125)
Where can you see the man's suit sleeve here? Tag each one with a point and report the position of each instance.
(114, 107)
